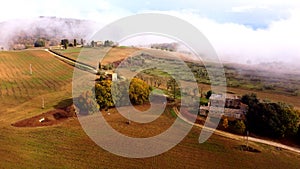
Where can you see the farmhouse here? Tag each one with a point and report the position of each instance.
(233, 107)
(109, 75)
(98, 43)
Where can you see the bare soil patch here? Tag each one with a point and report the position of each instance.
(49, 118)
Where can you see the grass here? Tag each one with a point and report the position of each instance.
(173, 114)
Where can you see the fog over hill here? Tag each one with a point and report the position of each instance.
(15, 33)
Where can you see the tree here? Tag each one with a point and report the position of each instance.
(250, 99)
(208, 94)
(275, 120)
(39, 43)
(238, 127)
(298, 134)
(75, 42)
(108, 43)
(103, 94)
(138, 91)
(65, 43)
(225, 123)
(173, 87)
(86, 103)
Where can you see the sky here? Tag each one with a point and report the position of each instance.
(247, 31)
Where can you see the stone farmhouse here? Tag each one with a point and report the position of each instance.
(234, 109)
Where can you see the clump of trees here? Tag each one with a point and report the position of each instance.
(65, 43)
(86, 103)
(39, 43)
(236, 126)
(108, 43)
(276, 120)
(138, 93)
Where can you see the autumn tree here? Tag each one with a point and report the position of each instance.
(225, 123)
(138, 91)
(103, 94)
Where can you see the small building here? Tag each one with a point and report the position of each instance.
(98, 43)
(111, 75)
(114, 77)
(233, 107)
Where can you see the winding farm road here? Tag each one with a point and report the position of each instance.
(74, 63)
(238, 137)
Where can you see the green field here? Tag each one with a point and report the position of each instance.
(67, 146)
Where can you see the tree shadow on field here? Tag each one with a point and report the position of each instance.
(248, 148)
(64, 103)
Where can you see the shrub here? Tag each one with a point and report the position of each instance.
(238, 127)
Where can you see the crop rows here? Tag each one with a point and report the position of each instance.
(17, 85)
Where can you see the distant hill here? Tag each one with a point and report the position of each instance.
(18, 34)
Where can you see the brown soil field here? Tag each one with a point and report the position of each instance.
(52, 117)
(118, 53)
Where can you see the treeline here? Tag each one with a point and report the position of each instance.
(165, 46)
(275, 120)
(138, 93)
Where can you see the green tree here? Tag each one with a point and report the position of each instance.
(75, 42)
(250, 99)
(275, 120)
(39, 43)
(86, 103)
(65, 43)
(173, 87)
